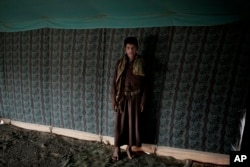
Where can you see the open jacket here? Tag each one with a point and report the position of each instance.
(138, 69)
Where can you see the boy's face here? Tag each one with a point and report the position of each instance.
(131, 51)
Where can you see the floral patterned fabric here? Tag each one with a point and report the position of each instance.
(199, 79)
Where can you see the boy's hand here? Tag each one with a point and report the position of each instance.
(142, 108)
(115, 108)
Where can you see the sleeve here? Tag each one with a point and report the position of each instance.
(113, 89)
(144, 87)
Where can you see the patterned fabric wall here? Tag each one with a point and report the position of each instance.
(198, 80)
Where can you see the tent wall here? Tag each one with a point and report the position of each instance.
(198, 79)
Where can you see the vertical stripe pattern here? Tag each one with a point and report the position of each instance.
(199, 79)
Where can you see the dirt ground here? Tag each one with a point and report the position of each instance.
(27, 148)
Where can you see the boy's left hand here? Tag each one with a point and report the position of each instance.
(142, 108)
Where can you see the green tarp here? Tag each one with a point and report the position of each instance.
(21, 15)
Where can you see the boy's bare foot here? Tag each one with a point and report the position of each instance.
(116, 154)
(129, 152)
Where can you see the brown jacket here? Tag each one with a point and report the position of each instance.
(128, 76)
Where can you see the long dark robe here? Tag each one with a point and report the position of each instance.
(128, 121)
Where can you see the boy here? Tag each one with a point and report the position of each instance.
(128, 98)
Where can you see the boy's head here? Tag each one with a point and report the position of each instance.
(131, 40)
(131, 47)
